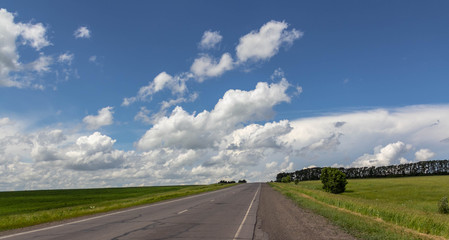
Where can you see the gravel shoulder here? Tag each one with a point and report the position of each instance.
(280, 218)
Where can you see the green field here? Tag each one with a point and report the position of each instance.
(382, 208)
(26, 208)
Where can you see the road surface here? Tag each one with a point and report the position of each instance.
(224, 214)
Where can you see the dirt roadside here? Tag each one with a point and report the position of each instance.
(279, 218)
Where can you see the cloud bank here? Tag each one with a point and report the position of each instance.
(237, 138)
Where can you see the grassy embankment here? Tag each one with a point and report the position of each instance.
(26, 208)
(382, 208)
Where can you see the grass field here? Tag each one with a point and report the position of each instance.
(25, 208)
(382, 208)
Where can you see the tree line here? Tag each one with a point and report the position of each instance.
(424, 168)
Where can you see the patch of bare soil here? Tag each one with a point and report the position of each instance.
(280, 218)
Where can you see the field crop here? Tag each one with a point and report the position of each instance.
(382, 208)
(25, 208)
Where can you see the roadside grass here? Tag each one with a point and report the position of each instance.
(26, 208)
(382, 208)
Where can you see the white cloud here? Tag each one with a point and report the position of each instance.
(205, 66)
(94, 152)
(265, 43)
(184, 130)
(143, 115)
(66, 58)
(172, 102)
(384, 156)
(33, 35)
(324, 144)
(162, 81)
(5, 121)
(82, 32)
(210, 39)
(257, 136)
(165, 105)
(424, 155)
(104, 118)
(42, 64)
(343, 137)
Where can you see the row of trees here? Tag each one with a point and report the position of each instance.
(439, 167)
(227, 182)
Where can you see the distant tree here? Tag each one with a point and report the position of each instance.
(333, 180)
(242, 181)
(225, 182)
(279, 176)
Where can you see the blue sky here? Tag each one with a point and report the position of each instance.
(127, 93)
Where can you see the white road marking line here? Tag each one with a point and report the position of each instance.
(110, 214)
(246, 215)
(183, 211)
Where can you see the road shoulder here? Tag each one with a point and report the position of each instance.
(280, 218)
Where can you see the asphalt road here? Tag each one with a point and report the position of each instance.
(224, 214)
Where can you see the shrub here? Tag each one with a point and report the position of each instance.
(333, 180)
(286, 179)
(296, 181)
(443, 206)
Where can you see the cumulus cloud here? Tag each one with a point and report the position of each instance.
(82, 32)
(256, 136)
(384, 156)
(33, 35)
(162, 81)
(94, 152)
(104, 118)
(424, 154)
(265, 43)
(210, 39)
(185, 130)
(205, 66)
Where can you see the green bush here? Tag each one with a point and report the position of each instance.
(333, 180)
(443, 206)
(286, 179)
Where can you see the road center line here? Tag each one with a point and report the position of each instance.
(246, 215)
(183, 211)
